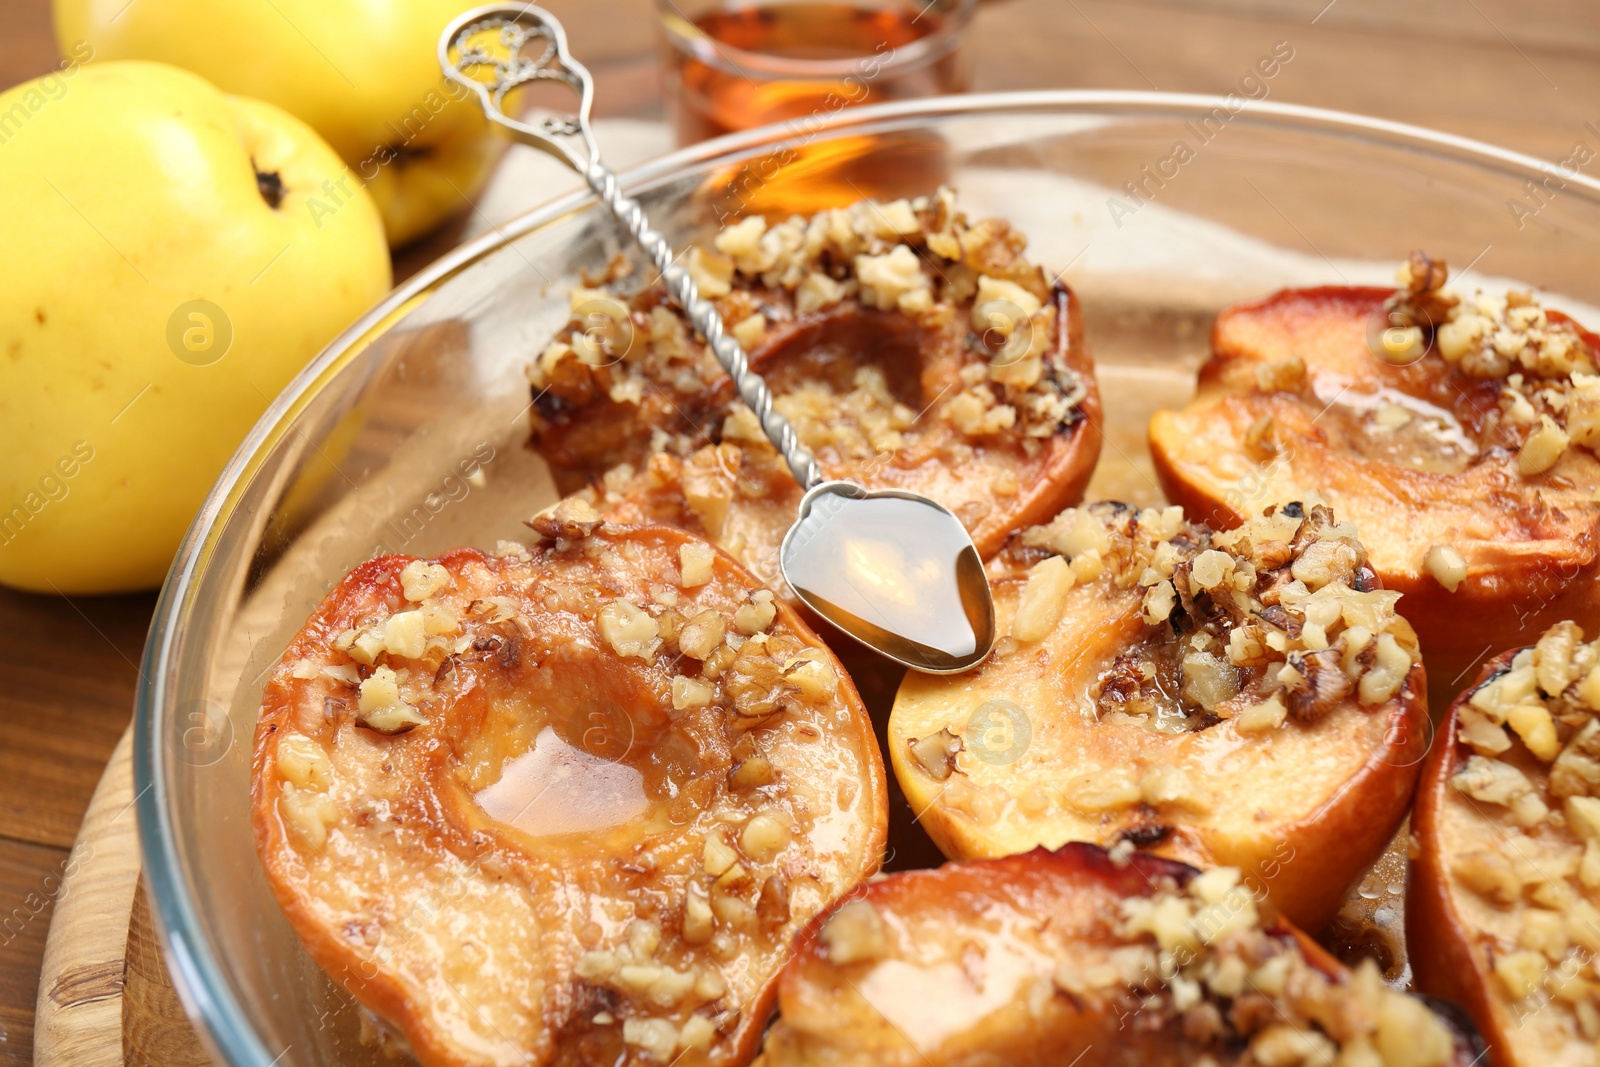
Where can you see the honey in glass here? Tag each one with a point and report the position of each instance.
(732, 67)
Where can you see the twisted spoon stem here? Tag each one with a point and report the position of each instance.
(703, 314)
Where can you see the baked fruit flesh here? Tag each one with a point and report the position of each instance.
(566, 804)
(1463, 453)
(1245, 698)
(1505, 871)
(1092, 959)
(910, 348)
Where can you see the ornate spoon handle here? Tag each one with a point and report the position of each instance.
(496, 48)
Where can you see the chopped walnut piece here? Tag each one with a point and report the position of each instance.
(569, 520)
(1488, 874)
(309, 815)
(405, 635)
(1494, 782)
(702, 635)
(629, 630)
(1576, 770)
(811, 675)
(1583, 816)
(420, 579)
(1532, 723)
(855, 934)
(381, 708)
(690, 693)
(756, 614)
(1447, 565)
(1042, 599)
(1159, 602)
(936, 754)
(1542, 448)
(755, 684)
(1262, 717)
(303, 762)
(694, 562)
(889, 279)
(766, 835)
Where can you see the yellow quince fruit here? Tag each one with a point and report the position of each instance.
(165, 278)
(364, 75)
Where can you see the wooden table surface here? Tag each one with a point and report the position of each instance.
(1521, 73)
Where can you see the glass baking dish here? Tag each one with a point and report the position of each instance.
(408, 433)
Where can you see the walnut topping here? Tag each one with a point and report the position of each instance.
(811, 675)
(1545, 703)
(308, 814)
(702, 635)
(1042, 599)
(1551, 398)
(640, 970)
(936, 754)
(918, 257)
(629, 630)
(569, 520)
(1533, 728)
(302, 762)
(766, 835)
(405, 635)
(756, 614)
(855, 934)
(1277, 620)
(420, 579)
(690, 693)
(1262, 717)
(893, 280)
(695, 562)
(754, 680)
(1543, 447)
(1493, 782)
(1212, 961)
(381, 708)
(1447, 566)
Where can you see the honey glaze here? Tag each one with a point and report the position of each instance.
(1391, 426)
(550, 734)
(895, 571)
(557, 788)
(931, 1001)
(588, 762)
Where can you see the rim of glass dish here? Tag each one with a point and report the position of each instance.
(191, 961)
(731, 59)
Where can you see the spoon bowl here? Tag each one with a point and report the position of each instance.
(894, 570)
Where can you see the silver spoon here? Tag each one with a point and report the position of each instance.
(894, 570)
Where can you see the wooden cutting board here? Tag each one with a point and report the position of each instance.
(104, 996)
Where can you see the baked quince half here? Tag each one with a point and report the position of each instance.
(1087, 958)
(1456, 434)
(909, 347)
(1244, 698)
(1501, 912)
(563, 805)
